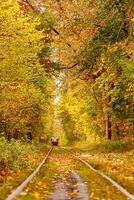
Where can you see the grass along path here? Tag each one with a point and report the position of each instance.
(119, 166)
(11, 179)
(58, 170)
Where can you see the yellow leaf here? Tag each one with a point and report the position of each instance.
(36, 195)
(39, 183)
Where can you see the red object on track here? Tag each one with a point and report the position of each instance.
(54, 141)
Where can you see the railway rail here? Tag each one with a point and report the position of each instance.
(114, 183)
(21, 187)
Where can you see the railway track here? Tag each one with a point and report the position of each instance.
(19, 189)
(114, 183)
(72, 187)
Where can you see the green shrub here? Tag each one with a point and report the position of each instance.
(15, 154)
(110, 146)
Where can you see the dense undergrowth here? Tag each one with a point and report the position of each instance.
(16, 154)
(18, 159)
(107, 146)
(114, 146)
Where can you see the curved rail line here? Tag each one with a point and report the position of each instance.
(119, 187)
(19, 189)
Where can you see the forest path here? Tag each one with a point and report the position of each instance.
(63, 178)
(71, 187)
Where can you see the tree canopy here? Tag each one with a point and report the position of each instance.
(88, 46)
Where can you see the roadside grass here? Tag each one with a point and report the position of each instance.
(110, 146)
(15, 154)
(116, 159)
(17, 160)
(98, 187)
(41, 185)
(106, 146)
(115, 146)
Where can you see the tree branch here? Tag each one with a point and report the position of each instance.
(54, 30)
(60, 68)
(30, 5)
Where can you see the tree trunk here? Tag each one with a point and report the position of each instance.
(107, 116)
(108, 128)
(118, 132)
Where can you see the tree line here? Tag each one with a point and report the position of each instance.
(26, 99)
(97, 94)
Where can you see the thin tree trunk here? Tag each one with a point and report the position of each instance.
(118, 131)
(108, 129)
(108, 124)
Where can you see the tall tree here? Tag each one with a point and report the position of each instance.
(23, 81)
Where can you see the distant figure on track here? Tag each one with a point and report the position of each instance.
(54, 141)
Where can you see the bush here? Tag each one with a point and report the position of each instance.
(16, 154)
(110, 146)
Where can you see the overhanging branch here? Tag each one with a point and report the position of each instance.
(71, 67)
(53, 29)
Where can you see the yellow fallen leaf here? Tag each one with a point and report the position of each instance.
(39, 183)
(36, 195)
